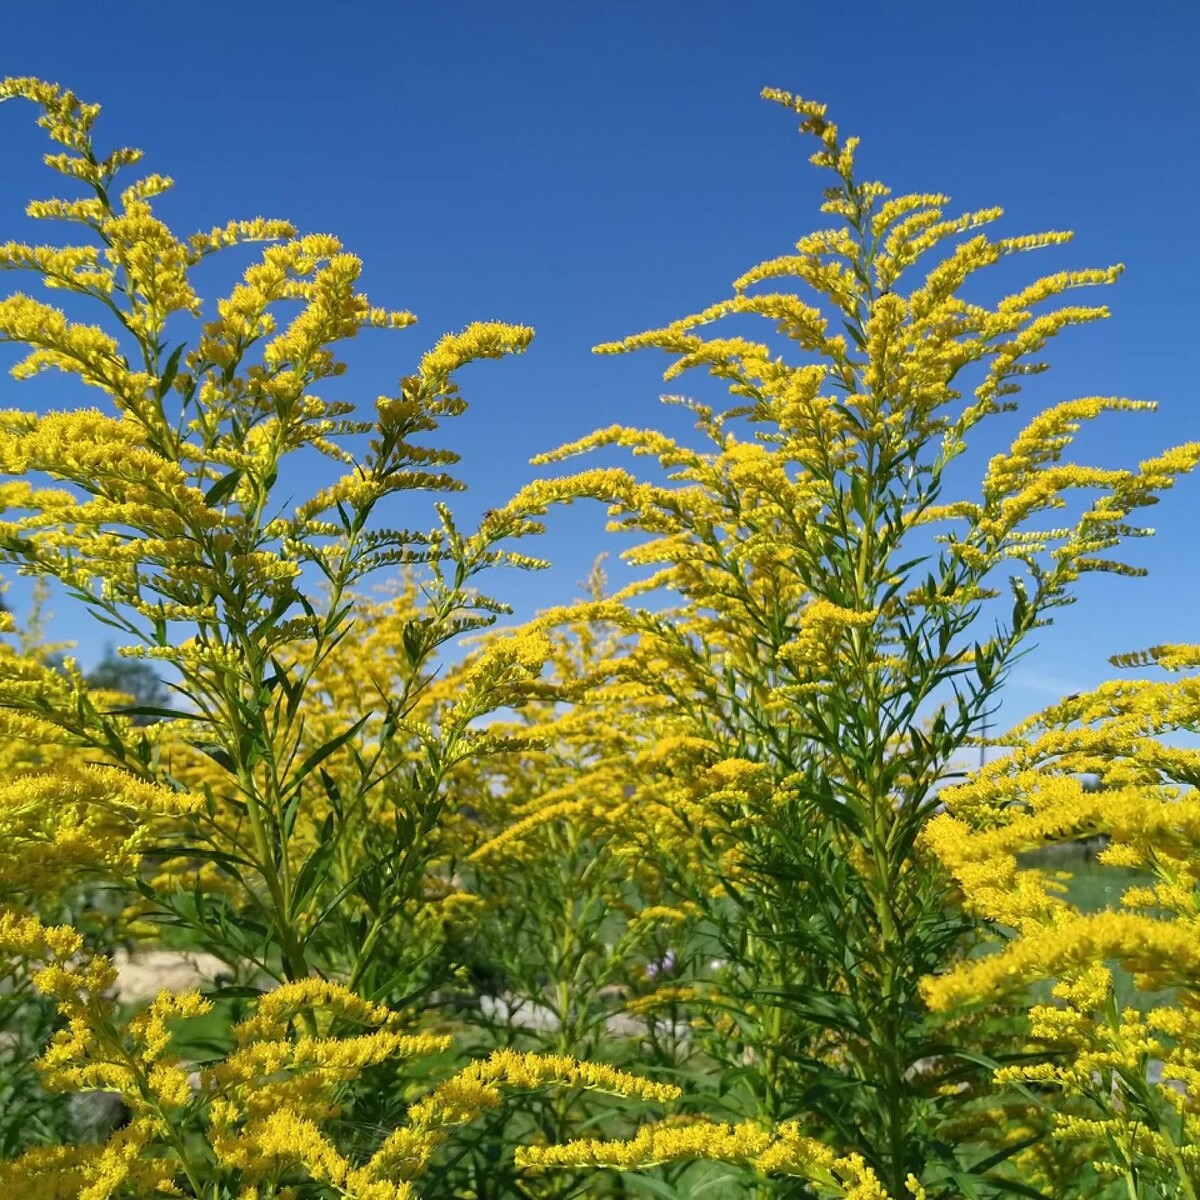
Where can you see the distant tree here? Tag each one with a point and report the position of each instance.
(134, 678)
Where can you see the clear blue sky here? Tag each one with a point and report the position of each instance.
(597, 169)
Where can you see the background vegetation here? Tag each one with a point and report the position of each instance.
(677, 890)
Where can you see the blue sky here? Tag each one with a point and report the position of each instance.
(595, 170)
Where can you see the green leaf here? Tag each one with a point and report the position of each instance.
(252, 747)
(1005, 1152)
(293, 691)
(144, 889)
(858, 497)
(222, 489)
(321, 753)
(1014, 1188)
(233, 992)
(220, 756)
(151, 710)
(89, 600)
(313, 871)
(656, 1187)
(291, 810)
(334, 619)
(170, 371)
(333, 792)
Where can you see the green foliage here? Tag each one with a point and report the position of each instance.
(478, 897)
(132, 678)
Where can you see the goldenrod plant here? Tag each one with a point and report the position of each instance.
(180, 523)
(832, 637)
(251, 1124)
(58, 848)
(165, 518)
(571, 939)
(702, 826)
(1117, 1078)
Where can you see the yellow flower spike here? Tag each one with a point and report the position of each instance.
(484, 339)
(71, 817)
(513, 837)
(652, 1146)
(780, 1152)
(24, 935)
(235, 233)
(1146, 806)
(149, 1028)
(405, 1151)
(480, 1086)
(362, 1185)
(282, 1139)
(276, 1008)
(331, 1058)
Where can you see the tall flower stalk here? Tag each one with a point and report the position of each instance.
(168, 516)
(835, 634)
(298, 842)
(1117, 1076)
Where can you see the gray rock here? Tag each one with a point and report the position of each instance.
(141, 976)
(94, 1115)
(524, 1014)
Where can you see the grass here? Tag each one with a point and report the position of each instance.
(1093, 887)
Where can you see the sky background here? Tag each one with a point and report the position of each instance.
(595, 170)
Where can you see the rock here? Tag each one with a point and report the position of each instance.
(1154, 1076)
(623, 1025)
(142, 975)
(524, 1014)
(94, 1115)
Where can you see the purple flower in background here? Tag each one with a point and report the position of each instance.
(661, 966)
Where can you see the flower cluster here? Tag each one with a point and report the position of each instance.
(481, 888)
(1126, 1076)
